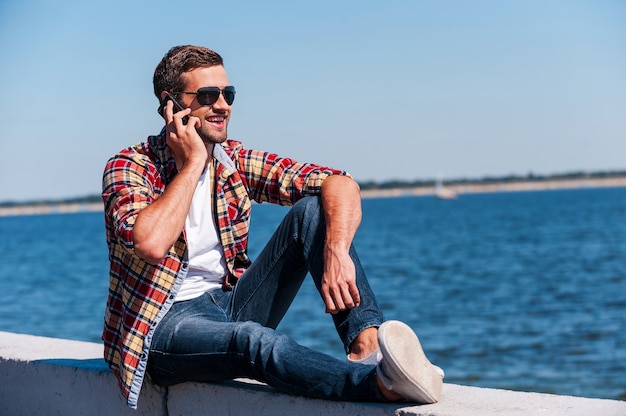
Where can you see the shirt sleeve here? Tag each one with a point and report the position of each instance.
(128, 186)
(281, 180)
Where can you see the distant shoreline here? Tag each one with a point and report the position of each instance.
(459, 189)
(50, 208)
(501, 186)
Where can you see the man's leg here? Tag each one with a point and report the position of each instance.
(195, 342)
(267, 288)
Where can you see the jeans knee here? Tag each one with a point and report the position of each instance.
(308, 213)
(307, 206)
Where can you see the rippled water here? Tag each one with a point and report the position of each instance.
(512, 290)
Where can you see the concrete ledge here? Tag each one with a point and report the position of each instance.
(48, 376)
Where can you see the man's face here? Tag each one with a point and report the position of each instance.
(214, 118)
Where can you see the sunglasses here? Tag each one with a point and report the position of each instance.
(210, 95)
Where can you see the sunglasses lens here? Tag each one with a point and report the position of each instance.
(229, 95)
(208, 95)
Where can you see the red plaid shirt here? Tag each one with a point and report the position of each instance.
(140, 294)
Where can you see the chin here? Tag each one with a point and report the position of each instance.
(219, 139)
(212, 138)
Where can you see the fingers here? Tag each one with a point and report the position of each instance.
(340, 297)
(338, 287)
(175, 120)
(168, 111)
(354, 293)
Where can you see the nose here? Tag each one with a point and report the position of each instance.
(221, 103)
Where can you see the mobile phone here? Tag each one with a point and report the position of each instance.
(177, 107)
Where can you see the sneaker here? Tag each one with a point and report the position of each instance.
(404, 367)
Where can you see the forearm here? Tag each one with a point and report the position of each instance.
(159, 225)
(341, 201)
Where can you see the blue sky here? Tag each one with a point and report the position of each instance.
(386, 90)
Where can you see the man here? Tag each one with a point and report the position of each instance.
(185, 301)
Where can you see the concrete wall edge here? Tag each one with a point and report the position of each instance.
(46, 376)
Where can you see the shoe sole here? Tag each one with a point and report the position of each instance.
(415, 378)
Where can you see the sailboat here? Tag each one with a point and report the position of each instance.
(441, 192)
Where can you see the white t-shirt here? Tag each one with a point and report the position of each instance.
(207, 266)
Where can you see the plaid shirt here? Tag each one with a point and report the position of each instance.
(140, 294)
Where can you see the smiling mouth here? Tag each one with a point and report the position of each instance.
(216, 119)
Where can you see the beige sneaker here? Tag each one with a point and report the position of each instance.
(404, 367)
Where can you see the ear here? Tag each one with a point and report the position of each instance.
(161, 108)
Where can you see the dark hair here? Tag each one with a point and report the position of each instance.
(178, 60)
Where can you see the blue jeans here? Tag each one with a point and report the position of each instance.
(223, 335)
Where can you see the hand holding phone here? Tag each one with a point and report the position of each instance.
(185, 143)
(177, 107)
